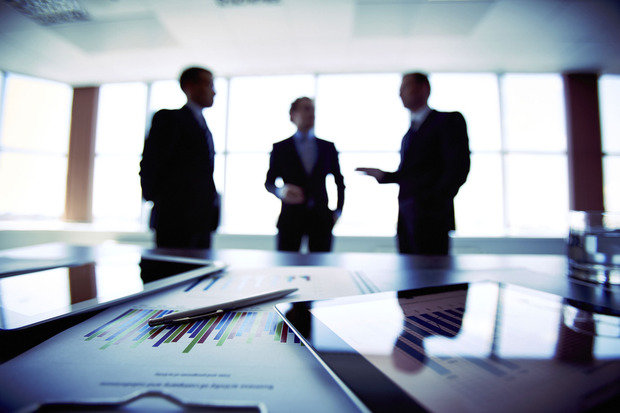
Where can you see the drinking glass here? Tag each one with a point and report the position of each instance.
(594, 246)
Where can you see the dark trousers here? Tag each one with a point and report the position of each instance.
(183, 238)
(316, 225)
(421, 231)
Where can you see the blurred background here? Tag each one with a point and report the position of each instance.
(80, 80)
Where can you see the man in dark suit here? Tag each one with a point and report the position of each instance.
(176, 171)
(434, 164)
(303, 162)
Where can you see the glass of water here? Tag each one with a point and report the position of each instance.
(594, 246)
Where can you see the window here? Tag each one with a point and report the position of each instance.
(121, 121)
(259, 108)
(361, 113)
(363, 116)
(609, 96)
(479, 203)
(476, 96)
(258, 117)
(34, 142)
(167, 94)
(518, 178)
(536, 170)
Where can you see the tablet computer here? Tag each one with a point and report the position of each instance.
(31, 297)
(475, 347)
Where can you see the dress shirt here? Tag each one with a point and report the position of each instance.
(197, 112)
(306, 148)
(417, 119)
(419, 116)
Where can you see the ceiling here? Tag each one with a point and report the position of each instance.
(126, 40)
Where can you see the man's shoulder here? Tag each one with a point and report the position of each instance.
(283, 142)
(166, 113)
(449, 114)
(455, 115)
(324, 141)
(328, 145)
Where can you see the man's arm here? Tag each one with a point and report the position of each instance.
(156, 155)
(381, 176)
(289, 194)
(455, 157)
(272, 173)
(339, 179)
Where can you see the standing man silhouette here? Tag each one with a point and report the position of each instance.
(303, 162)
(176, 171)
(434, 163)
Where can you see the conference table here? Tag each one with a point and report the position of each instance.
(386, 271)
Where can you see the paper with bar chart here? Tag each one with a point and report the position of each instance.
(248, 355)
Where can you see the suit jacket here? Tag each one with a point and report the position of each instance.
(434, 164)
(176, 172)
(286, 163)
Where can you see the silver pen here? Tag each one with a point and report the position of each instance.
(216, 309)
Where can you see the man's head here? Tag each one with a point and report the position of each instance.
(302, 113)
(197, 84)
(415, 90)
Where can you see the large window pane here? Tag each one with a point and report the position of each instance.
(121, 119)
(479, 205)
(259, 110)
(370, 208)
(611, 173)
(167, 94)
(120, 139)
(117, 195)
(476, 96)
(537, 194)
(32, 185)
(3, 76)
(36, 115)
(248, 208)
(609, 96)
(216, 115)
(361, 112)
(533, 112)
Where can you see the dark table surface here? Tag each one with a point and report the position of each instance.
(386, 271)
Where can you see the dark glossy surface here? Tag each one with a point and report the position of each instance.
(399, 272)
(467, 347)
(386, 271)
(31, 297)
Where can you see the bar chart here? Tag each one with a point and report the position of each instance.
(131, 329)
(417, 327)
(447, 323)
(228, 284)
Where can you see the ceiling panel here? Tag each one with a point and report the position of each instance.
(145, 40)
(139, 32)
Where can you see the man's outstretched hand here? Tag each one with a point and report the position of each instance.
(378, 174)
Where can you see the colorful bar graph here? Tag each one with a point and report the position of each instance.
(132, 327)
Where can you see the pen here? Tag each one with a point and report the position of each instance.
(216, 309)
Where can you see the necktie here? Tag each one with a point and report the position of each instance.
(308, 152)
